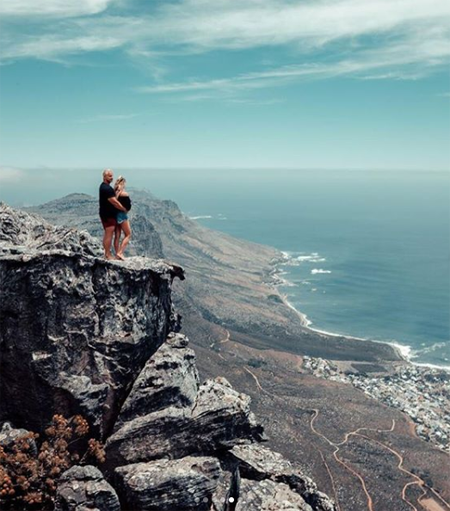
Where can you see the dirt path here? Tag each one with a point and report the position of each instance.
(427, 504)
(424, 503)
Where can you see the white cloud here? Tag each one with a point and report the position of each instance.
(379, 38)
(243, 24)
(10, 175)
(400, 59)
(56, 8)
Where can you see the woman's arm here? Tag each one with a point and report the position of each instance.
(116, 204)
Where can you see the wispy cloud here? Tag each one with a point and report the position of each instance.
(54, 8)
(107, 117)
(10, 175)
(401, 61)
(385, 39)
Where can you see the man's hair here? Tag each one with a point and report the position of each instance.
(106, 171)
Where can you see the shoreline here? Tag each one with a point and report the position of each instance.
(404, 351)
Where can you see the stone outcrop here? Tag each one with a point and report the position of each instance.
(75, 330)
(83, 488)
(169, 378)
(79, 334)
(166, 404)
(169, 485)
(258, 463)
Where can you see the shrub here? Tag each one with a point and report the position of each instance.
(30, 467)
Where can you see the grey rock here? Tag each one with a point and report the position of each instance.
(223, 415)
(221, 418)
(75, 330)
(82, 488)
(268, 495)
(169, 485)
(259, 463)
(9, 435)
(169, 378)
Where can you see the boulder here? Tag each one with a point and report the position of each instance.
(9, 435)
(169, 378)
(268, 495)
(220, 418)
(82, 488)
(169, 485)
(256, 462)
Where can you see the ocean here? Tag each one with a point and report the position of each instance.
(368, 253)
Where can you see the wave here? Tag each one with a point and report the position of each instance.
(433, 347)
(297, 258)
(318, 270)
(200, 217)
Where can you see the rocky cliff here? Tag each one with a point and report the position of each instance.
(79, 334)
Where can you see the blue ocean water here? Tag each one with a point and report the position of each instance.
(369, 251)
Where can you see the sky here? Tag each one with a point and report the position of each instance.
(224, 84)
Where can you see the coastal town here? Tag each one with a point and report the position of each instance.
(423, 393)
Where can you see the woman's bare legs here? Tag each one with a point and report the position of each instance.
(117, 233)
(125, 226)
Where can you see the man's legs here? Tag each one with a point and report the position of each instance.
(107, 240)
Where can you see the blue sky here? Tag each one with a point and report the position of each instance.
(349, 84)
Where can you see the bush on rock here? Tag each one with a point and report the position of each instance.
(30, 466)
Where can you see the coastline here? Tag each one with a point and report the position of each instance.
(404, 351)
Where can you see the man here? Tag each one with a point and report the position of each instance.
(108, 210)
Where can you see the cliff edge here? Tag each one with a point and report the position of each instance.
(81, 335)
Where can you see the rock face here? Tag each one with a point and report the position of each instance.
(79, 334)
(169, 485)
(221, 419)
(83, 488)
(75, 330)
(169, 378)
(261, 464)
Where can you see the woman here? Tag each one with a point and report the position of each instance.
(123, 224)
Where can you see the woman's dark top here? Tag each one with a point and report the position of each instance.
(125, 201)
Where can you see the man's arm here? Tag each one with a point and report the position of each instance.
(117, 204)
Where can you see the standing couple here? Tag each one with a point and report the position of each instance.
(114, 206)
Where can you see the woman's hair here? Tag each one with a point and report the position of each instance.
(119, 185)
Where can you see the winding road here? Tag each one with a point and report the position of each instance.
(417, 481)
